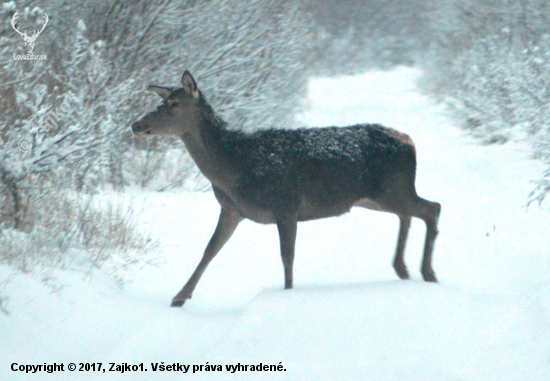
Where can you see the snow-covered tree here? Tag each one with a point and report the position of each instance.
(491, 62)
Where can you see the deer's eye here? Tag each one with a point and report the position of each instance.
(174, 104)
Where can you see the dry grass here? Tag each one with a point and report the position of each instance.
(78, 232)
(3, 303)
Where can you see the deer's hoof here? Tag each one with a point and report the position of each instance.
(403, 275)
(402, 272)
(429, 276)
(177, 303)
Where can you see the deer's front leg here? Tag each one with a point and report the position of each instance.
(287, 227)
(398, 262)
(227, 224)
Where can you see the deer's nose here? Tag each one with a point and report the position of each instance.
(140, 129)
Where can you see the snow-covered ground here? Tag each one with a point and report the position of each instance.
(348, 317)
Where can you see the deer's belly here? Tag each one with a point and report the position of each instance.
(307, 209)
(305, 213)
(314, 210)
(244, 208)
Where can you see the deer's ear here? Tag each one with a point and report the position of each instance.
(189, 85)
(164, 92)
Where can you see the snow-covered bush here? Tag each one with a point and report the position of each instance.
(491, 64)
(501, 91)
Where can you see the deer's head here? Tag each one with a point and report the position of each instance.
(176, 115)
(29, 40)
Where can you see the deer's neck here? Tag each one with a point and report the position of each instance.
(205, 147)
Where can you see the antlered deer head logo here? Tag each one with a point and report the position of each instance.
(29, 40)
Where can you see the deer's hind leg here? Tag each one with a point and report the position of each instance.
(405, 206)
(429, 212)
(227, 224)
(404, 225)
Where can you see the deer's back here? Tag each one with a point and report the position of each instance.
(321, 171)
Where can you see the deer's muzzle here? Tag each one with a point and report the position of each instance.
(141, 129)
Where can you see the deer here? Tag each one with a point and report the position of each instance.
(285, 176)
(29, 40)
